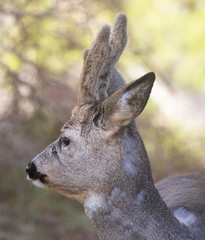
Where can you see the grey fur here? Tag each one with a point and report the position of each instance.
(100, 60)
(106, 167)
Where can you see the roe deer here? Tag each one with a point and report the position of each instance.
(100, 160)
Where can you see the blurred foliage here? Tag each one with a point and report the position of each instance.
(41, 45)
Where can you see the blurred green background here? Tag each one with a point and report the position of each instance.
(41, 44)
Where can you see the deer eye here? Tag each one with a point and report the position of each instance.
(65, 141)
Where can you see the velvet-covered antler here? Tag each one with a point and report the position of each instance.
(100, 61)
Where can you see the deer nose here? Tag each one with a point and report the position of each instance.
(31, 171)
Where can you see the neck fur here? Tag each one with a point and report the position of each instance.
(133, 209)
(121, 217)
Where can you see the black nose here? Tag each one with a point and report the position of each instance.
(31, 171)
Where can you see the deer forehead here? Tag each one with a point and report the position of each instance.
(85, 131)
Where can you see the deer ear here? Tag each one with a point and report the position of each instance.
(129, 101)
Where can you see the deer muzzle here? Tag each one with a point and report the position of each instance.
(32, 173)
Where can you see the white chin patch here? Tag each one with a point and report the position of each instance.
(38, 183)
(28, 178)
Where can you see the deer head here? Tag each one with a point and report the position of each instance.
(89, 155)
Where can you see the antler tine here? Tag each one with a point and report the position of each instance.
(100, 60)
(118, 38)
(93, 60)
(85, 54)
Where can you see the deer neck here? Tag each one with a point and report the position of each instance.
(133, 208)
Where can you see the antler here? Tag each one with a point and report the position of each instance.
(100, 60)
